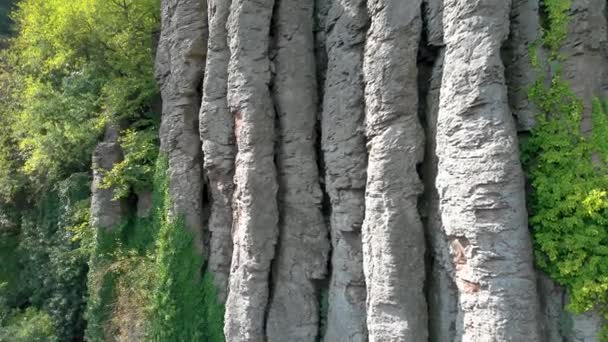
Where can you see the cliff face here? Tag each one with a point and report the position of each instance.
(357, 174)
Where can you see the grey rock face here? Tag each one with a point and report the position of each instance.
(442, 293)
(393, 237)
(480, 181)
(433, 17)
(584, 328)
(304, 245)
(585, 52)
(552, 318)
(345, 157)
(255, 206)
(180, 64)
(217, 135)
(144, 203)
(275, 72)
(524, 31)
(105, 211)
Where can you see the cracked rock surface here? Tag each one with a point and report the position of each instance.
(351, 169)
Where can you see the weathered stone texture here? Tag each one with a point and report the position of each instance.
(442, 292)
(524, 31)
(273, 73)
(180, 64)
(255, 228)
(480, 181)
(393, 237)
(303, 246)
(217, 136)
(585, 51)
(105, 211)
(345, 157)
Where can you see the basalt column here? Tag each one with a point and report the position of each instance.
(442, 292)
(345, 157)
(180, 64)
(303, 245)
(480, 182)
(393, 237)
(255, 212)
(217, 136)
(105, 211)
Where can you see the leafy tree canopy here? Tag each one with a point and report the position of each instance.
(72, 67)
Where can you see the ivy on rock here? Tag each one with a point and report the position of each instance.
(569, 177)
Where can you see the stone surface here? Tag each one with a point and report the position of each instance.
(105, 211)
(433, 18)
(585, 51)
(524, 31)
(144, 203)
(303, 247)
(180, 64)
(256, 216)
(218, 140)
(393, 237)
(345, 157)
(480, 182)
(310, 131)
(442, 292)
(552, 318)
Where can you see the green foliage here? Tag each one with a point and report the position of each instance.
(31, 325)
(568, 172)
(71, 68)
(136, 170)
(556, 17)
(184, 306)
(323, 312)
(55, 268)
(74, 66)
(153, 260)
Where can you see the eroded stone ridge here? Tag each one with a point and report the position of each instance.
(313, 116)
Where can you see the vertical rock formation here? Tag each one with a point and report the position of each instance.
(442, 291)
(105, 211)
(255, 205)
(524, 31)
(585, 327)
(480, 181)
(217, 135)
(393, 237)
(272, 66)
(585, 64)
(551, 298)
(442, 294)
(180, 64)
(345, 157)
(303, 245)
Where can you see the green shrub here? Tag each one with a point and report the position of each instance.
(152, 259)
(569, 178)
(31, 325)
